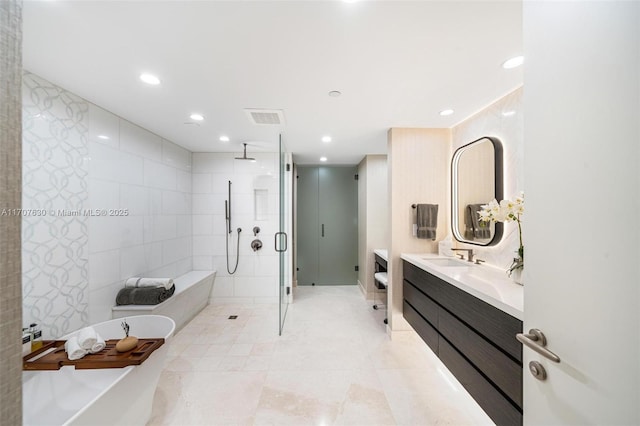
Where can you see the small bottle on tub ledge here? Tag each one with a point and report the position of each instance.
(36, 336)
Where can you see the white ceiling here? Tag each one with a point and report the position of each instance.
(396, 63)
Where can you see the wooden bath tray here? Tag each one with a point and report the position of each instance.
(52, 356)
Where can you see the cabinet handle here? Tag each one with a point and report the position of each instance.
(323, 229)
(535, 340)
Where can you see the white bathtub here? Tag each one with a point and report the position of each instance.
(193, 290)
(110, 396)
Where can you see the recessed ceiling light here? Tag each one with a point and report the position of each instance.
(513, 62)
(103, 137)
(326, 139)
(196, 117)
(323, 159)
(224, 138)
(334, 93)
(508, 113)
(446, 112)
(150, 79)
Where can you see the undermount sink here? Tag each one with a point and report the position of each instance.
(446, 262)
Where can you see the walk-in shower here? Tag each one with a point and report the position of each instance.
(227, 215)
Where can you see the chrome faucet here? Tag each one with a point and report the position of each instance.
(469, 254)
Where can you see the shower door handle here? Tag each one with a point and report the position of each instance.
(323, 229)
(276, 241)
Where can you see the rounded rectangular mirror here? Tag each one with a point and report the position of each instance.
(476, 179)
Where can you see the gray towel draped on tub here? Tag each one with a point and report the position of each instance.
(144, 295)
(427, 220)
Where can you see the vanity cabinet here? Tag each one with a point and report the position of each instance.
(380, 263)
(474, 339)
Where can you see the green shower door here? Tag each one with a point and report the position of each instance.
(327, 231)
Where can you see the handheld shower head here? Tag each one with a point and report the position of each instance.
(244, 155)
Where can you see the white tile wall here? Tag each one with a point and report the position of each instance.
(157, 175)
(136, 140)
(111, 164)
(104, 128)
(105, 268)
(256, 279)
(153, 178)
(175, 156)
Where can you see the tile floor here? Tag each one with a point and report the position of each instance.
(334, 364)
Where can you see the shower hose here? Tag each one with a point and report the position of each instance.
(235, 268)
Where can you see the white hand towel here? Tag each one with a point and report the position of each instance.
(99, 345)
(74, 351)
(87, 337)
(167, 283)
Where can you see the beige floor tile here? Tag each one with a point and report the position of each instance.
(420, 397)
(195, 350)
(333, 365)
(240, 349)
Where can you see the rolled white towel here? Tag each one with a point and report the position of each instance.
(131, 282)
(74, 351)
(167, 283)
(381, 277)
(99, 345)
(87, 337)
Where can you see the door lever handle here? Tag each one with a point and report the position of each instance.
(536, 341)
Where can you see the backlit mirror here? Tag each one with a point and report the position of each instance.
(476, 179)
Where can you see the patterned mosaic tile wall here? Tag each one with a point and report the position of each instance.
(107, 200)
(55, 176)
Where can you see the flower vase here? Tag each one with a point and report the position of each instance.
(517, 276)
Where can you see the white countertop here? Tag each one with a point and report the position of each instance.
(485, 282)
(382, 253)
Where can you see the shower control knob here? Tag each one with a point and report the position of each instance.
(256, 244)
(256, 230)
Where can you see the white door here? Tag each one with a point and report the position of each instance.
(581, 229)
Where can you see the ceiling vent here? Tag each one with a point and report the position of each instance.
(265, 117)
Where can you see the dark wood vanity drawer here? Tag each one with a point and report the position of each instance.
(423, 304)
(380, 264)
(421, 326)
(501, 411)
(500, 369)
(489, 321)
(423, 281)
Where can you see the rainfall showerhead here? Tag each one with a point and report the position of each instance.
(244, 155)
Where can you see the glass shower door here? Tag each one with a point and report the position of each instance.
(281, 237)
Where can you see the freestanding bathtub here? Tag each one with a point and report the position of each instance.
(110, 396)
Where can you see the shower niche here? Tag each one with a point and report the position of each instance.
(261, 204)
